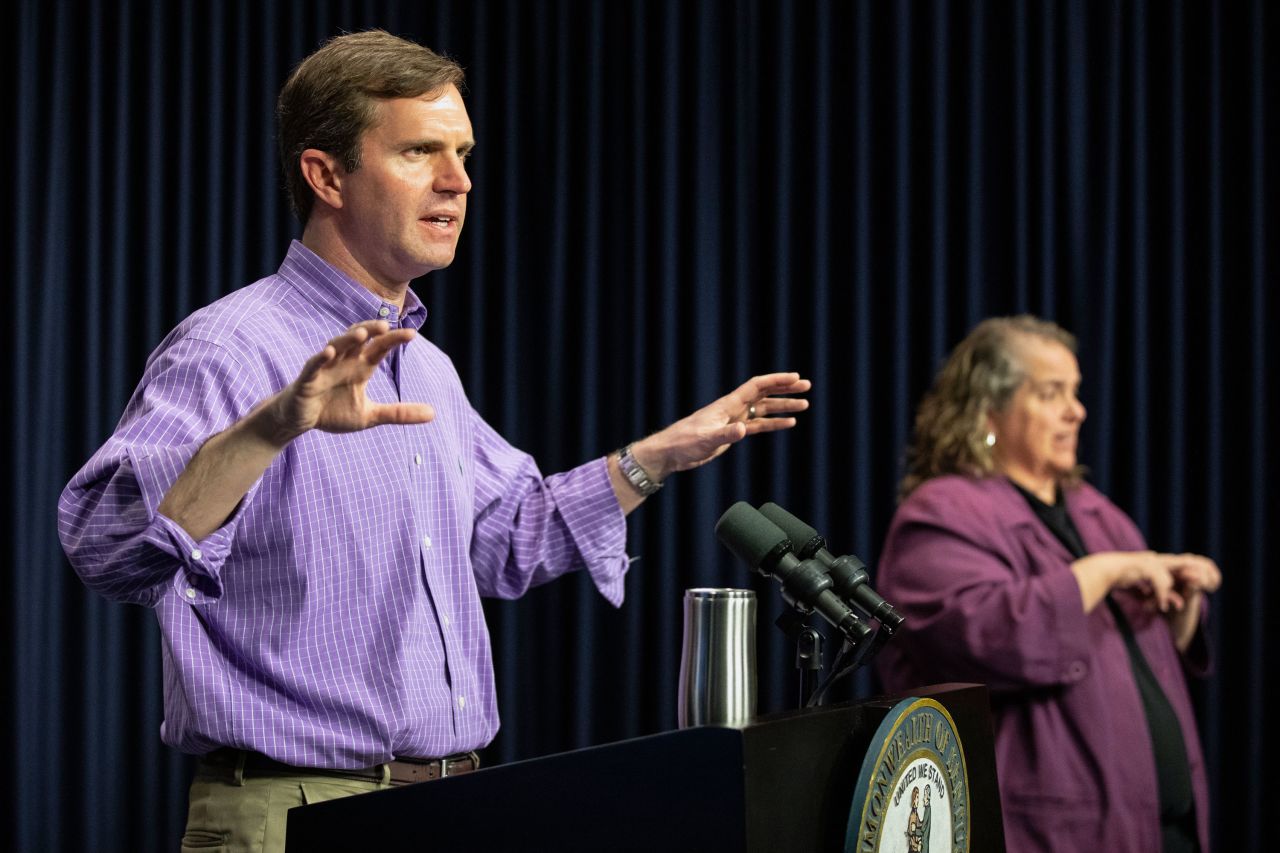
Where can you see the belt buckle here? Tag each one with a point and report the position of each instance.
(444, 767)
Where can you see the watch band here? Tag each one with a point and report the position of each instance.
(636, 475)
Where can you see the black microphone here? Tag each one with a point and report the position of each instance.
(806, 586)
(848, 573)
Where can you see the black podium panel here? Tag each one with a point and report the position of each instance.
(667, 791)
(783, 783)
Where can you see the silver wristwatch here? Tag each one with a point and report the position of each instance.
(636, 476)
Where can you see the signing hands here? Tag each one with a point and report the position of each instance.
(761, 404)
(1174, 584)
(1194, 576)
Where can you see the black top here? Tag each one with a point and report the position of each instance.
(1173, 772)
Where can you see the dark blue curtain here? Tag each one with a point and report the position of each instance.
(669, 196)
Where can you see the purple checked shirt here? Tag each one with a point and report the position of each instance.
(334, 620)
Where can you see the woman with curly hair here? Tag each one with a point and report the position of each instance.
(1014, 572)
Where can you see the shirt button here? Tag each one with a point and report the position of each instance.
(417, 459)
(447, 621)
(384, 311)
(197, 554)
(191, 593)
(426, 541)
(462, 701)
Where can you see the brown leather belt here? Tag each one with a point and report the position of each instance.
(226, 762)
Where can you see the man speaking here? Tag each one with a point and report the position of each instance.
(301, 491)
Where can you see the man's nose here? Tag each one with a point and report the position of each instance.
(452, 177)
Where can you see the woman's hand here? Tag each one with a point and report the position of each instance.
(1174, 584)
(1194, 576)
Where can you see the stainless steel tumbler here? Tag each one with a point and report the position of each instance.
(718, 658)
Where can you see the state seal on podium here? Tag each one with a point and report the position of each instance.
(912, 794)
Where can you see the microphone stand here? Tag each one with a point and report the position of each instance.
(806, 585)
(808, 642)
(852, 657)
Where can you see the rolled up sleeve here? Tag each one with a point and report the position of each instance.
(108, 515)
(530, 529)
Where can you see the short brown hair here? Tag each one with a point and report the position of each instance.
(978, 377)
(328, 101)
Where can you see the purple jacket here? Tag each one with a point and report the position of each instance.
(989, 597)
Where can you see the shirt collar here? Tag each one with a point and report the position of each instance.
(325, 286)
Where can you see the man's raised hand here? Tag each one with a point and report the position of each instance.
(329, 393)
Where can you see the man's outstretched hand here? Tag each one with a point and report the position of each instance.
(761, 404)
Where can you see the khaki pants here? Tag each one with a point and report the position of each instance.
(248, 814)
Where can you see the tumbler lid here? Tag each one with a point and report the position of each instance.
(704, 592)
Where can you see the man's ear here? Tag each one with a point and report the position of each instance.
(324, 173)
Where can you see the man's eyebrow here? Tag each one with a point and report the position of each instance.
(435, 145)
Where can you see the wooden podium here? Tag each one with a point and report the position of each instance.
(783, 783)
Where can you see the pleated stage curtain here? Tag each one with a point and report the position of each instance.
(669, 197)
